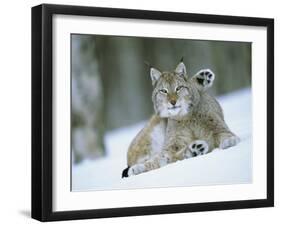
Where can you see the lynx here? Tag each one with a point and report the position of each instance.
(187, 122)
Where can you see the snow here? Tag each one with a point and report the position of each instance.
(229, 166)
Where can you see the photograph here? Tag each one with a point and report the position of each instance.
(150, 112)
(141, 112)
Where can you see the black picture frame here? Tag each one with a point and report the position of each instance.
(42, 107)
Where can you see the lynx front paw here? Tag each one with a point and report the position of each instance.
(136, 169)
(230, 141)
(199, 147)
(205, 77)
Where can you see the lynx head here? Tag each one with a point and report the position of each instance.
(175, 94)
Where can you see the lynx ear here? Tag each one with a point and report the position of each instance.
(155, 75)
(204, 78)
(181, 69)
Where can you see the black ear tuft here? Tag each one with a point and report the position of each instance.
(148, 64)
(125, 172)
(181, 59)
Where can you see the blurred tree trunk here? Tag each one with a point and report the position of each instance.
(232, 64)
(125, 79)
(87, 101)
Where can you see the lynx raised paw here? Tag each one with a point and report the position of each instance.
(199, 147)
(205, 77)
(229, 141)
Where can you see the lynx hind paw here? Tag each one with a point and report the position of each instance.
(229, 142)
(199, 147)
(136, 169)
(205, 77)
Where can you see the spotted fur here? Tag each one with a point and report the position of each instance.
(187, 122)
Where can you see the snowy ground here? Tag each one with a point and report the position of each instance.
(230, 166)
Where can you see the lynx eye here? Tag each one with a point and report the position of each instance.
(163, 91)
(179, 88)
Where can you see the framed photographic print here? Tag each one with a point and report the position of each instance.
(145, 112)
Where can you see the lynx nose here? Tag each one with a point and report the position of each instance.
(173, 102)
